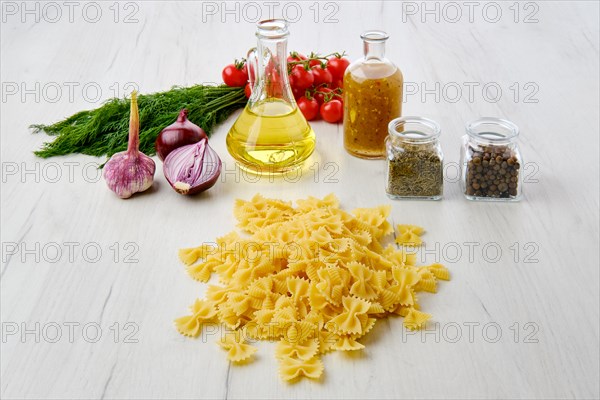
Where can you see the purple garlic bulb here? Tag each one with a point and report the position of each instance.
(130, 171)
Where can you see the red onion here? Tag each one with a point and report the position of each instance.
(179, 133)
(192, 168)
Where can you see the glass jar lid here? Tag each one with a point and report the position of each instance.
(414, 129)
(492, 130)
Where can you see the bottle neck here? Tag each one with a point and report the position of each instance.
(271, 56)
(271, 71)
(374, 50)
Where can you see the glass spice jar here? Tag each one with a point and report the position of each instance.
(415, 162)
(491, 164)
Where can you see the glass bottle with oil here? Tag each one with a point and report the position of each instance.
(271, 136)
(372, 98)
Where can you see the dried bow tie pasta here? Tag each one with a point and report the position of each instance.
(409, 235)
(314, 278)
(237, 349)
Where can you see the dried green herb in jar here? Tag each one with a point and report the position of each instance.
(415, 173)
(415, 160)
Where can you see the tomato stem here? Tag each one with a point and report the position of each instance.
(313, 57)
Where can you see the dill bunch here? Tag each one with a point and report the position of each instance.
(104, 131)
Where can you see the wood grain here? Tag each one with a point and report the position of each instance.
(545, 299)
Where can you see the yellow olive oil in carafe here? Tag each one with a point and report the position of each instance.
(271, 136)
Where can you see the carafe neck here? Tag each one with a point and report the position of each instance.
(269, 76)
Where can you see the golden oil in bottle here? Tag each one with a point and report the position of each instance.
(372, 98)
(271, 137)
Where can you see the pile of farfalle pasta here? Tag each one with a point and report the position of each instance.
(314, 278)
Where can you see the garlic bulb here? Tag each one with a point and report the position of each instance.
(130, 171)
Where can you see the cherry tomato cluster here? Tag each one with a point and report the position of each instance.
(316, 82)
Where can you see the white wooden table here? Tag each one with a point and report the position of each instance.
(91, 283)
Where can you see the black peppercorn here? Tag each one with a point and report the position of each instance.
(492, 171)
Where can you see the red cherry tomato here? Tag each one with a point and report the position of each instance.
(337, 84)
(298, 92)
(302, 78)
(234, 76)
(295, 56)
(337, 66)
(320, 94)
(247, 90)
(274, 86)
(313, 63)
(332, 111)
(309, 108)
(321, 75)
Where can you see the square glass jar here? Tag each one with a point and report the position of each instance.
(491, 163)
(415, 162)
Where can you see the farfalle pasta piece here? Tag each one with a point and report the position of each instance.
(400, 257)
(347, 343)
(367, 324)
(379, 280)
(237, 349)
(415, 319)
(348, 321)
(260, 212)
(409, 235)
(201, 272)
(304, 350)
(313, 203)
(376, 308)
(332, 283)
(216, 294)
(226, 270)
(405, 280)
(375, 219)
(439, 271)
(191, 255)
(427, 281)
(228, 316)
(202, 311)
(261, 287)
(376, 261)
(363, 281)
(388, 299)
(292, 368)
(317, 299)
(314, 278)
(238, 302)
(323, 218)
(298, 288)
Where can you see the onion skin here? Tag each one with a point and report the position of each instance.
(180, 133)
(193, 168)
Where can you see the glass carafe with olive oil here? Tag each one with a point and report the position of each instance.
(271, 136)
(372, 98)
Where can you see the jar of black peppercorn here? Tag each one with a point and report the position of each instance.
(491, 164)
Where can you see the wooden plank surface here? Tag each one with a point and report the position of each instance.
(520, 324)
